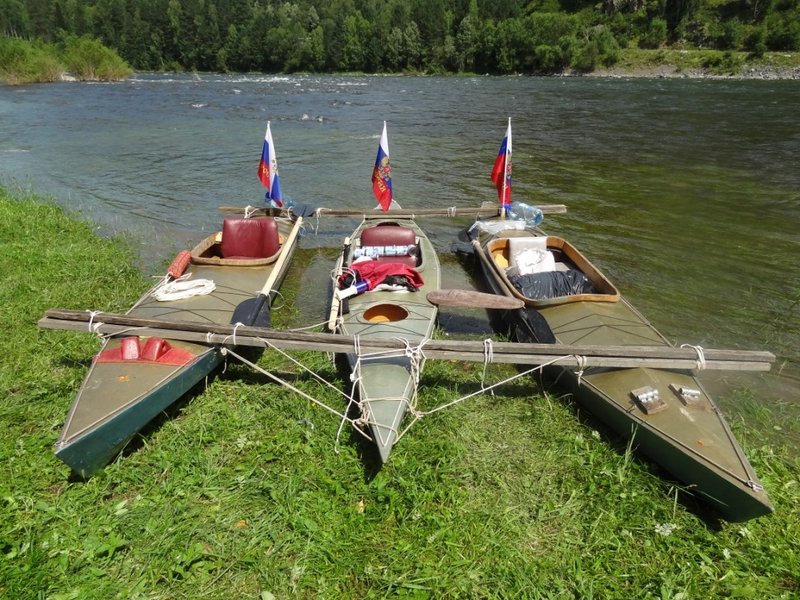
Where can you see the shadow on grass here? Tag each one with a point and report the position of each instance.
(682, 494)
(547, 380)
(139, 439)
(365, 448)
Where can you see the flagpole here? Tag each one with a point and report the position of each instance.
(505, 173)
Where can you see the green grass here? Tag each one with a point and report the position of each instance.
(235, 495)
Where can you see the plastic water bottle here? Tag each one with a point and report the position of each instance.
(519, 211)
(356, 288)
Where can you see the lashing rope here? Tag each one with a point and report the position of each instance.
(283, 382)
(488, 356)
(581, 360)
(92, 327)
(701, 357)
(416, 359)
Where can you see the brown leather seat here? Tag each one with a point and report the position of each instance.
(249, 238)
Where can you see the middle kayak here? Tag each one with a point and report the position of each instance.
(382, 277)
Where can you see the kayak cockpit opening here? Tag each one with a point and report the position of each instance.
(385, 313)
(547, 269)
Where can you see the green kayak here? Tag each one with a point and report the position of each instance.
(668, 414)
(386, 384)
(134, 378)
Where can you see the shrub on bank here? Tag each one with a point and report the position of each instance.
(25, 62)
(87, 59)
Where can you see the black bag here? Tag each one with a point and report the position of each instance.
(552, 284)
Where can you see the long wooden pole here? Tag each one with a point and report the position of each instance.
(249, 311)
(661, 357)
(336, 303)
(455, 211)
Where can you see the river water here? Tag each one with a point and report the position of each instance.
(685, 192)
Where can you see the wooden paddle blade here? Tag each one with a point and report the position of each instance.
(465, 248)
(532, 327)
(253, 312)
(303, 210)
(473, 299)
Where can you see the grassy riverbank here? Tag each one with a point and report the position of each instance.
(239, 492)
(666, 62)
(88, 60)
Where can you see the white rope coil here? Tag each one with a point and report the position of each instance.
(181, 289)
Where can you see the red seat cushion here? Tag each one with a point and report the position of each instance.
(249, 238)
(388, 235)
(391, 235)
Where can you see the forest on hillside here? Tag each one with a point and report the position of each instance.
(483, 36)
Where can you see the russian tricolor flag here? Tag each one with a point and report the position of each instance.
(501, 172)
(382, 173)
(268, 171)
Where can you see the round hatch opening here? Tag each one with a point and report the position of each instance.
(385, 313)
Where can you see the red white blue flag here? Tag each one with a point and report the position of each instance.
(501, 172)
(268, 171)
(382, 173)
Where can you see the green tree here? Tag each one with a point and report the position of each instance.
(209, 40)
(355, 35)
(414, 49)
(466, 43)
(109, 21)
(433, 21)
(14, 19)
(313, 50)
(783, 30)
(655, 35)
(394, 56)
(40, 18)
(174, 31)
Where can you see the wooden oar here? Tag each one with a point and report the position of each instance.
(473, 299)
(256, 311)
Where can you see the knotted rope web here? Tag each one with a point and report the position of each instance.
(410, 356)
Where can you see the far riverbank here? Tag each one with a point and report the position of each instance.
(702, 64)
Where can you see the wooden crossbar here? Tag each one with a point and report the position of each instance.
(455, 211)
(660, 357)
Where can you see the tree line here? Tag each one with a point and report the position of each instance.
(483, 36)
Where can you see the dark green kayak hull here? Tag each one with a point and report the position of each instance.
(688, 439)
